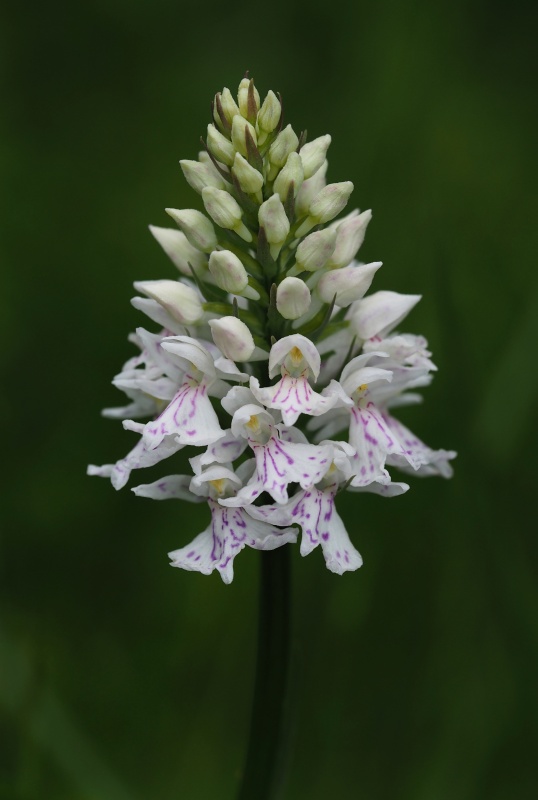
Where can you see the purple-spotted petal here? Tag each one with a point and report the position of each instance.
(190, 417)
(229, 532)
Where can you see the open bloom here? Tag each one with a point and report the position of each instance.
(271, 361)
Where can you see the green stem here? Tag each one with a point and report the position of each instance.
(266, 762)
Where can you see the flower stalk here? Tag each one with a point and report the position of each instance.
(268, 747)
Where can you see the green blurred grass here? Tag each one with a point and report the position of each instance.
(120, 677)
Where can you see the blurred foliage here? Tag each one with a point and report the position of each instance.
(416, 676)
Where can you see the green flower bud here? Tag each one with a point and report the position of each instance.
(232, 337)
(228, 105)
(228, 271)
(200, 175)
(181, 301)
(225, 211)
(291, 173)
(313, 154)
(285, 143)
(242, 97)
(250, 180)
(269, 114)
(196, 227)
(239, 128)
(315, 250)
(326, 205)
(272, 217)
(176, 246)
(310, 189)
(219, 146)
(292, 298)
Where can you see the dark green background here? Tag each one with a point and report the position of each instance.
(122, 679)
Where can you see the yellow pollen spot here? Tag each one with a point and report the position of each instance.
(296, 356)
(218, 485)
(253, 424)
(363, 387)
(332, 468)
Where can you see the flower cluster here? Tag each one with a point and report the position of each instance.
(269, 358)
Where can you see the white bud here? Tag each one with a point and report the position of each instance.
(242, 97)
(285, 143)
(250, 180)
(275, 222)
(326, 205)
(225, 211)
(181, 301)
(348, 284)
(196, 227)
(220, 147)
(309, 190)
(315, 250)
(228, 271)
(269, 114)
(349, 237)
(292, 298)
(232, 337)
(200, 175)
(313, 154)
(291, 173)
(177, 247)
(380, 312)
(239, 132)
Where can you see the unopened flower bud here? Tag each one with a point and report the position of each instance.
(285, 143)
(313, 154)
(200, 175)
(348, 284)
(239, 132)
(349, 237)
(269, 114)
(292, 298)
(242, 97)
(196, 227)
(181, 301)
(272, 217)
(326, 205)
(250, 180)
(315, 250)
(310, 189)
(291, 173)
(177, 247)
(221, 207)
(219, 146)
(380, 312)
(228, 271)
(228, 106)
(232, 337)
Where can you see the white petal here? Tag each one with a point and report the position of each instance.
(280, 463)
(172, 487)
(379, 313)
(138, 458)
(158, 314)
(190, 351)
(373, 441)
(225, 449)
(190, 417)
(237, 397)
(293, 396)
(282, 348)
(230, 531)
(422, 459)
